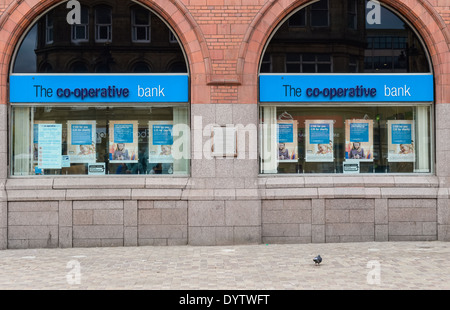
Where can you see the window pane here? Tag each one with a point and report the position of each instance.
(308, 68)
(103, 15)
(323, 68)
(87, 138)
(141, 33)
(298, 19)
(326, 28)
(381, 152)
(33, 52)
(322, 5)
(141, 17)
(319, 18)
(293, 68)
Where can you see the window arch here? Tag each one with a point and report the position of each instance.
(141, 67)
(349, 43)
(101, 111)
(93, 40)
(339, 92)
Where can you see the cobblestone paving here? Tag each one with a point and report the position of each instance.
(345, 266)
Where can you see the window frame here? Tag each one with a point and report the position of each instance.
(49, 30)
(84, 25)
(100, 26)
(134, 27)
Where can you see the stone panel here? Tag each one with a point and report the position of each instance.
(243, 213)
(206, 213)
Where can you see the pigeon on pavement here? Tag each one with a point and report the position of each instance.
(317, 260)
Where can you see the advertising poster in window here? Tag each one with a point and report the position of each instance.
(287, 141)
(123, 141)
(36, 138)
(319, 140)
(359, 139)
(50, 146)
(160, 141)
(401, 141)
(81, 141)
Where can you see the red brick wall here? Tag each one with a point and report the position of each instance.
(224, 39)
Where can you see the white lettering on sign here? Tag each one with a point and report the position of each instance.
(397, 91)
(151, 91)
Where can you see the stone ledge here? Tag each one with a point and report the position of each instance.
(27, 195)
(102, 182)
(99, 182)
(29, 184)
(314, 181)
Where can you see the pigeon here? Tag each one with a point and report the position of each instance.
(317, 260)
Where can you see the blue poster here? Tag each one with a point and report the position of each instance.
(81, 134)
(123, 133)
(319, 133)
(162, 135)
(285, 133)
(359, 132)
(401, 133)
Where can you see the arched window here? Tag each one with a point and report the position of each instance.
(141, 67)
(346, 87)
(79, 67)
(96, 114)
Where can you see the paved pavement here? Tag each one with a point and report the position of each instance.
(345, 266)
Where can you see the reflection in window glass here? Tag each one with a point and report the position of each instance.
(80, 32)
(394, 40)
(90, 45)
(103, 24)
(319, 14)
(81, 140)
(378, 148)
(49, 28)
(290, 137)
(140, 25)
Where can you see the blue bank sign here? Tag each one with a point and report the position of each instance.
(48, 88)
(346, 88)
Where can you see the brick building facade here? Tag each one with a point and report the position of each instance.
(227, 200)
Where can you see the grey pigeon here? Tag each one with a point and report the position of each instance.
(317, 260)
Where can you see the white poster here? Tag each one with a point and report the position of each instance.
(401, 141)
(319, 140)
(81, 141)
(50, 146)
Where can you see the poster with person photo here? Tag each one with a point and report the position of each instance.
(319, 140)
(123, 141)
(401, 141)
(287, 141)
(359, 139)
(81, 141)
(160, 142)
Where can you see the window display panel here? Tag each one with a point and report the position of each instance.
(101, 140)
(352, 139)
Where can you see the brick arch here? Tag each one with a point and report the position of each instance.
(422, 16)
(20, 14)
